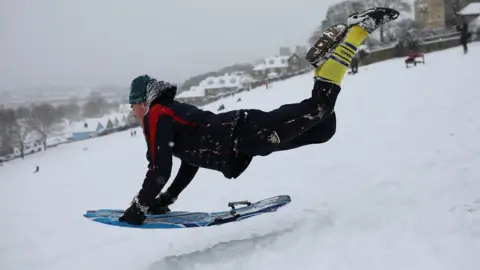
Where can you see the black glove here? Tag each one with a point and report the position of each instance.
(161, 203)
(133, 215)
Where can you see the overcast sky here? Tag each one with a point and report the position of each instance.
(90, 42)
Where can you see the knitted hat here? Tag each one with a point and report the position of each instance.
(160, 90)
(138, 89)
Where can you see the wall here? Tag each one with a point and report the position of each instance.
(425, 47)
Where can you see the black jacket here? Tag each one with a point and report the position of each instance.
(198, 138)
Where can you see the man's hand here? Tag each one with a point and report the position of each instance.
(160, 205)
(133, 215)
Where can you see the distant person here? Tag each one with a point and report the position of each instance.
(464, 37)
(227, 142)
(354, 64)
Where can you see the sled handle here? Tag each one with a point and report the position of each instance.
(233, 204)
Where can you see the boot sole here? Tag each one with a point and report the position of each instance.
(326, 44)
(382, 16)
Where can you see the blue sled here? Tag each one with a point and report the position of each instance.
(184, 219)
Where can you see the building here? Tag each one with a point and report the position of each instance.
(271, 67)
(85, 129)
(301, 50)
(195, 95)
(470, 13)
(226, 84)
(93, 127)
(297, 63)
(430, 14)
(441, 14)
(475, 26)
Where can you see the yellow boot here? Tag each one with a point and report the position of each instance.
(360, 25)
(337, 64)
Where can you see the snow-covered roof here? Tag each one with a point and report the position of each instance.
(91, 124)
(87, 125)
(273, 62)
(229, 80)
(112, 117)
(470, 9)
(195, 91)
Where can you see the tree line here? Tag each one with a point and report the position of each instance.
(339, 12)
(394, 31)
(44, 120)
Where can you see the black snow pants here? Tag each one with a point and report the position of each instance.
(290, 126)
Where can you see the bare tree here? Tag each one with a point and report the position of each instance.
(95, 107)
(337, 13)
(7, 123)
(400, 29)
(20, 132)
(23, 112)
(44, 120)
(14, 130)
(69, 111)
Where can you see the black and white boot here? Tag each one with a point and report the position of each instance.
(326, 44)
(372, 19)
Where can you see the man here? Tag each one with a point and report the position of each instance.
(227, 142)
(464, 36)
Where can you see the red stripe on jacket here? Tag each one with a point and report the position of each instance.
(153, 115)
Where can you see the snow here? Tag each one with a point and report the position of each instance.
(470, 9)
(396, 188)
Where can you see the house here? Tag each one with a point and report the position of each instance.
(475, 26)
(226, 84)
(32, 144)
(114, 120)
(470, 13)
(196, 95)
(116, 123)
(440, 14)
(56, 140)
(109, 124)
(29, 148)
(430, 14)
(271, 67)
(296, 63)
(301, 50)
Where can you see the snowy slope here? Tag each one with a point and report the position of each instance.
(396, 188)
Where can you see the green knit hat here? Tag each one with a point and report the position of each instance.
(138, 89)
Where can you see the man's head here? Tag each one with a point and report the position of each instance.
(138, 95)
(145, 89)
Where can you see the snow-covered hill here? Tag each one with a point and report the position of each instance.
(396, 188)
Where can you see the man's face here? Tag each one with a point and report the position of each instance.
(139, 111)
